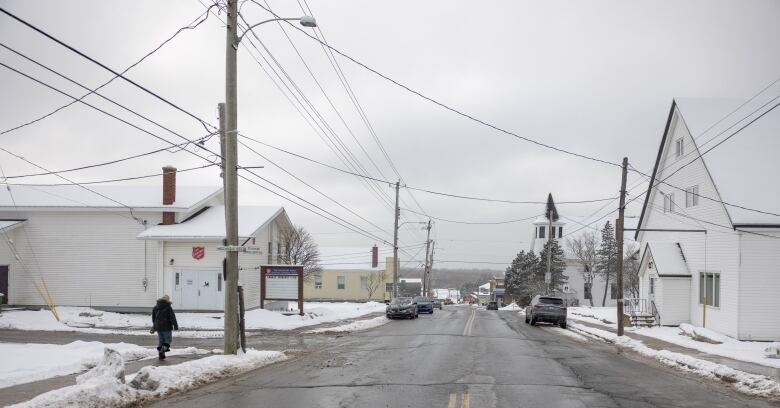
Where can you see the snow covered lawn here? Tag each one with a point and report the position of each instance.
(190, 324)
(354, 326)
(22, 363)
(106, 385)
(749, 351)
(511, 306)
(752, 384)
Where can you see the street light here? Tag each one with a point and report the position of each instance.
(229, 131)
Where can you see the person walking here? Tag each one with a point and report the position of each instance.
(163, 322)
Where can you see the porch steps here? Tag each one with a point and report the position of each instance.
(643, 320)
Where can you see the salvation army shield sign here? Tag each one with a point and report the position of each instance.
(198, 252)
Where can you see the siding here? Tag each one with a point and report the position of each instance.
(86, 258)
(577, 283)
(352, 289)
(722, 244)
(759, 286)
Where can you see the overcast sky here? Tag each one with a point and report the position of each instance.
(596, 78)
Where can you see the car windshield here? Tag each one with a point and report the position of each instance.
(551, 301)
(420, 299)
(401, 301)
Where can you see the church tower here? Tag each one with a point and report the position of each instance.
(541, 227)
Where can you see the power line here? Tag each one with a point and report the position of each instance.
(476, 222)
(111, 180)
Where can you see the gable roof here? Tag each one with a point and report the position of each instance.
(42, 197)
(668, 258)
(209, 225)
(741, 166)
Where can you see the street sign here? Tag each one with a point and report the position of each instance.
(239, 248)
(281, 282)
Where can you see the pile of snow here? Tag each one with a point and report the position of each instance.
(354, 326)
(191, 324)
(598, 315)
(752, 384)
(702, 334)
(23, 363)
(106, 386)
(773, 351)
(511, 306)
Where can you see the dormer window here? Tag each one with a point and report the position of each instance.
(679, 149)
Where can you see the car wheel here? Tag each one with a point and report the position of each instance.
(563, 324)
(533, 321)
(526, 319)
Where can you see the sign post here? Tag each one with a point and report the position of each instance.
(281, 282)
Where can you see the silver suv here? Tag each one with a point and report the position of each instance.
(548, 309)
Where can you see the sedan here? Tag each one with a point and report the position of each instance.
(403, 307)
(424, 305)
(436, 303)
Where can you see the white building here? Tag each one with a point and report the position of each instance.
(576, 289)
(122, 247)
(715, 198)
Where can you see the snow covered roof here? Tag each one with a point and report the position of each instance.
(410, 280)
(32, 196)
(8, 225)
(668, 258)
(745, 166)
(209, 225)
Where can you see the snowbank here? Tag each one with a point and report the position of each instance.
(23, 363)
(747, 383)
(354, 326)
(105, 388)
(191, 324)
(511, 306)
(702, 334)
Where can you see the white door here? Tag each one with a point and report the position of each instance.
(189, 289)
(207, 290)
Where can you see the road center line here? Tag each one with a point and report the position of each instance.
(469, 323)
(453, 399)
(464, 401)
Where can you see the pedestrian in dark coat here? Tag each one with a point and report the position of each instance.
(164, 322)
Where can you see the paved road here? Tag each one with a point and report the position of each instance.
(463, 357)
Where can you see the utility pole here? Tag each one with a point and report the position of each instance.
(548, 274)
(231, 180)
(430, 264)
(619, 239)
(425, 270)
(395, 242)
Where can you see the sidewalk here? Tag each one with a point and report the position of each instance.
(23, 392)
(657, 344)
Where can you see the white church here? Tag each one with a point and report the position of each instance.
(577, 291)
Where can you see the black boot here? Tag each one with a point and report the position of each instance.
(166, 347)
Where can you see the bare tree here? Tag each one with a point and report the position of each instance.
(631, 270)
(585, 249)
(376, 279)
(299, 248)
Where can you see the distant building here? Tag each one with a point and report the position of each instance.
(349, 276)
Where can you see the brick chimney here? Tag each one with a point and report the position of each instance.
(169, 193)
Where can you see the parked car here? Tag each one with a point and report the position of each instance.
(424, 305)
(547, 309)
(448, 301)
(404, 307)
(492, 305)
(436, 303)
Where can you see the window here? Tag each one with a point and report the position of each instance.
(270, 251)
(364, 282)
(652, 286)
(177, 279)
(679, 148)
(541, 232)
(587, 291)
(389, 287)
(219, 282)
(340, 284)
(692, 196)
(278, 251)
(317, 282)
(709, 289)
(669, 202)
(560, 232)
(552, 232)
(613, 291)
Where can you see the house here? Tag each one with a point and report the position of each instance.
(710, 224)
(483, 293)
(577, 290)
(349, 279)
(120, 247)
(498, 291)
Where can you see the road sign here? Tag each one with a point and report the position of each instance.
(239, 248)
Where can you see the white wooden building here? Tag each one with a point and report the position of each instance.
(716, 262)
(108, 247)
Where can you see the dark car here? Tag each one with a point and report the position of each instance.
(492, 305)
(547, 309)
(436, 303)
(401, 307)
(424, 305)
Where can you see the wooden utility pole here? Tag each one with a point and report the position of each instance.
(619, 239)
(231, 180)
(395, 242)
(430, 264)
(548, 274)
(425, 270)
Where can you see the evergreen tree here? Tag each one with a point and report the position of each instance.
(522, 277)
(607, 264)
(558, 265)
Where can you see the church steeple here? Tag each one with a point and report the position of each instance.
(551, 208)
(542, 232)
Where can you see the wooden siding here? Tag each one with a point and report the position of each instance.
(104, 267)
(759, 285)
(722, 244)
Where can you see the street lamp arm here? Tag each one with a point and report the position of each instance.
(306, 21)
